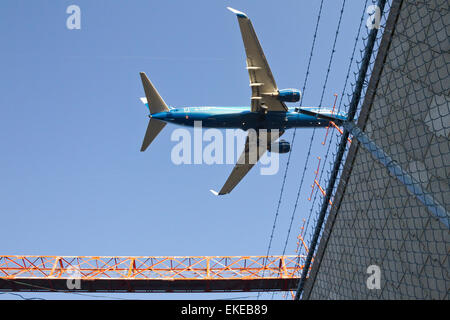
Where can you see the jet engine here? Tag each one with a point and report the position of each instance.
(289, 95)
(281, 146)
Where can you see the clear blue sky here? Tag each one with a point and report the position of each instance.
(72, 179)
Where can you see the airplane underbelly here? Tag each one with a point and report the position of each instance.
(247, 120)
(232, 121)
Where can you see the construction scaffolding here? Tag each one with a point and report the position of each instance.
(149, 274)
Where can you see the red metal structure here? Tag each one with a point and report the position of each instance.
(334, 124)
(316, 183)
(150, 274)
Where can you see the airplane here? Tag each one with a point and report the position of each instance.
(267, 109)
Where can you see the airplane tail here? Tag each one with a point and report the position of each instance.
(155, 104)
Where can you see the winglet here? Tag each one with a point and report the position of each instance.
(214, 192)
(238, 13)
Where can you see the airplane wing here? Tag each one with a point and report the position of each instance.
(249, 157)
(262, 82)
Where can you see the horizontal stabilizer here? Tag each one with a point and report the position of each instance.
(154, 127)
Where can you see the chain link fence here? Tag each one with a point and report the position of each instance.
(381, 239)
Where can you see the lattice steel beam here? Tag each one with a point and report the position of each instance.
(150, 274)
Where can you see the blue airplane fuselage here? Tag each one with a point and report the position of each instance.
(243, 118)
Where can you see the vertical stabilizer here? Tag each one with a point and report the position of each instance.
(155, 102)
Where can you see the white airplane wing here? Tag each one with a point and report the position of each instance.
(251, 154)
(262, 82)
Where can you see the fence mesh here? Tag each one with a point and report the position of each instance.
(375, 220)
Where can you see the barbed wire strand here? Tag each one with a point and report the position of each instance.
(322, 170)
(333, 50)
(293, 136)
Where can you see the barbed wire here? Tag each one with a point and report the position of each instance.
(336, 135)
(308, 155)
(367, 60)
(333, 50)
(293, 135)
